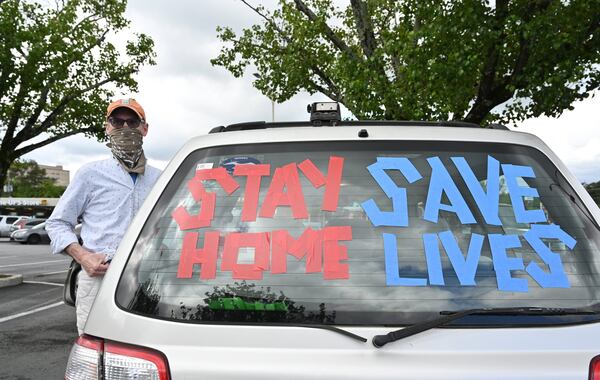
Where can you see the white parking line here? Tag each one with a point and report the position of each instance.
(10, 317)
(39, 262)
(49, 273)
(43, 283)
(6, 257)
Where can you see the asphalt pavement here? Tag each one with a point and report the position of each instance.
(36, 329)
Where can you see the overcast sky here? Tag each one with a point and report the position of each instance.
(184, 96)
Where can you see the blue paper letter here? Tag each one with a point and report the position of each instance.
(487, 202)
(392, 269)
(398, 217)
(465, 268)
(516, 192)
(434, 261)
(503, 264)
(557, 277)
(442, 182)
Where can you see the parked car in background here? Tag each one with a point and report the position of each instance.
(19, 224)
(353, 250)
(5, 222)
(32, 222)
(32, 234)
(28, 225)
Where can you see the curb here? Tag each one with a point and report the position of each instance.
(10, 280)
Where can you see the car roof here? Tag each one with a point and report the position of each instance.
(261, 132)
(405, 123)
(35, 220)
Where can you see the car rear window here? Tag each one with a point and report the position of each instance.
(361, 233)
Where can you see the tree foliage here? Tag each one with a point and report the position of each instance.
(594, 190)
(410, 59)
(58, 70)
(29, 180)
(251, 293)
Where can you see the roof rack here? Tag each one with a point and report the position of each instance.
(497, 126)
(264, 125)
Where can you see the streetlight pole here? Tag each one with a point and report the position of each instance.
(272, 111)
(8, 188)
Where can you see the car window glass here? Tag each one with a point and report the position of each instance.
(371, 260)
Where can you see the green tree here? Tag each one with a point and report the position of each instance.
(50, 189)
(411, 59)
(594, 190)
(29, 180)
(58, 71)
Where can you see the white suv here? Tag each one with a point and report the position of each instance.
(364, 250)
(5, 223)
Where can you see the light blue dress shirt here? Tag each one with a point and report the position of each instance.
(106, 198)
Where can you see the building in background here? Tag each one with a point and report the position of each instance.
(34, 207)
(60, 176)
(27, 179)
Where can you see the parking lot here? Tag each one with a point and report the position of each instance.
(36, 328)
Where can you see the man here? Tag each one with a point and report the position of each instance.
(105, 195)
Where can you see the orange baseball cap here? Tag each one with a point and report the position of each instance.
(132, 104)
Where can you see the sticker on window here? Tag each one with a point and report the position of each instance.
(204, 165)
(230, 163)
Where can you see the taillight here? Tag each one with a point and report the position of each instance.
(131, 362)
(595, 368)
(93, 359)
(84, 360)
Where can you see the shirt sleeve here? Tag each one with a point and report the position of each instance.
(61, 224)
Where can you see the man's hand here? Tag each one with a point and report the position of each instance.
(92, 263)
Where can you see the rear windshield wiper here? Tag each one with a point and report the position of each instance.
(382, 340)
(334, 329)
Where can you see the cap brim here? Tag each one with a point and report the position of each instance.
(125, 106)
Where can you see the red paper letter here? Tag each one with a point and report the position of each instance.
(206, 199)
(206, 256)
(332, 182)
(334, 253)
(221, 176)
(233, 242)
(254, 174)
(313, 173)
(184, 220)
(287, 177)
(308, 245)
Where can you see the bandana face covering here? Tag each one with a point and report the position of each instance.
(126, 146)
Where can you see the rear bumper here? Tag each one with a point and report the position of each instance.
(270, 352)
